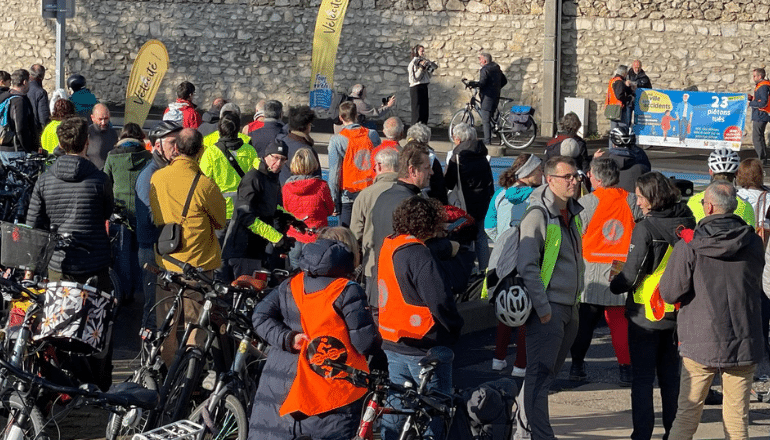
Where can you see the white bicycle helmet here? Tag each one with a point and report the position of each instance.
(622, 136)
(724, 160)
(513, 306)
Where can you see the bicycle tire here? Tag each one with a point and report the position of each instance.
(181, 382)
(517, 139)
(467, 116)
(136, 420)
(229, 420)
(34, 432)
(117, 291)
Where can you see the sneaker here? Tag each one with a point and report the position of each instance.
(577, 372)
(625, 375)
(498, 364)
(518, 372)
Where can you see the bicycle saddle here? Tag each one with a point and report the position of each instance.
(437, 356)
(133, 394)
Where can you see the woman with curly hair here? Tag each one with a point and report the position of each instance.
(62, 109)
(417, 311)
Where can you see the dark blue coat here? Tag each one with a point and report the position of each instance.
(277, 320)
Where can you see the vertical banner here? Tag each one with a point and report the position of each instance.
(328, 27)
(147, 73)
(675, 118)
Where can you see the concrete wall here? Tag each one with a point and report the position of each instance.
(251, 49)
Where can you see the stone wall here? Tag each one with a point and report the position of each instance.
(246, 50)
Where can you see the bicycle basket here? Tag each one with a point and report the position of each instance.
(25, 247)
(180, 430)
(76, 317)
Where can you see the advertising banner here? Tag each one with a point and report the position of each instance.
(147, 73)
(675, 118)
(328, 27)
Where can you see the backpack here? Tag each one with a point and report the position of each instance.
(7, 134)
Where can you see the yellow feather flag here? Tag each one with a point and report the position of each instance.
(147, 73)
(328, 27)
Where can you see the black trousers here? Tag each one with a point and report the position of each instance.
(419, 97)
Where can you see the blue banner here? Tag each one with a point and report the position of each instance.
(674, 118)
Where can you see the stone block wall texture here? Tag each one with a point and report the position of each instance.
(246, 50)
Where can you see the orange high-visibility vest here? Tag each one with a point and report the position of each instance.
(357, 164)
(611, 98)
(764, 82)
(608, 235)
(312, 392)
(398, 319)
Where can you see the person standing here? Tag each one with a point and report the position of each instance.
(419, 71)
(272, 128)
(101, 136)
(183, 111)
(301, 120)
(638, 76)
(684, 113)
(652, 337)
(62, 109)
(760, 108)
(553, 277)
(21, 119)
(608, 220)
(619, 93)
(38, 96)
(716, 276)
(568, 143)
(491, 80)
(83, 99)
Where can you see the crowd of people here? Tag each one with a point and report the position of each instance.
(600, 235)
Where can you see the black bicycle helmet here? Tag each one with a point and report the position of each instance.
(76, 82)
(164, 128)
(623, 136)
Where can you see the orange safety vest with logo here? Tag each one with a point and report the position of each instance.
(608, 234)
(398, 319)
(387, 143)
(611, 98)
(316, 388)
(357, 164)
(764, 82)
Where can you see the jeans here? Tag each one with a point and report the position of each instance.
(486, 125)
(482, 249)
(125, 250)
(652, 351)
(403, 368)
(147, 255)
(694, 386)
(346, 214)
(758, 138)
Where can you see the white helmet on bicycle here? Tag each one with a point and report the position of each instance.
(724, 160)
(513, 306)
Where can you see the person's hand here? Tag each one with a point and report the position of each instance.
(545, 319)
(285, 243)
(751, 97)
(299, 340)
(300, 226)
(599, 153)
(335, 214)
(391, 101)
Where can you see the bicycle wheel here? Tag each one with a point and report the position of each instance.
(116, 288)
(515, 138)
(470, 117)
(136, 419)
(228, 420)
(34, 424)
(182, 381)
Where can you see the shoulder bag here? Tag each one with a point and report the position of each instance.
(170, 239)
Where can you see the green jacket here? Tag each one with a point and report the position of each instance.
(215, 165)
(123, 165)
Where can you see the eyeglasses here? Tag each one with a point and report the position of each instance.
(568, 177)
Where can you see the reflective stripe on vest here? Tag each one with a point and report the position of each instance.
(764, 82)
(314, 390)
(357, 163)
(648, 293)
(551, 248)
(611, 98)
(398, 319)
(608, 235)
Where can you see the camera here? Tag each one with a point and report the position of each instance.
(386, 99)
(427, 64)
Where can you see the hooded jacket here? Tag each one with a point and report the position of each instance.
(84, 102)
(717, 278)
(632, 163)
(21, 118)
(77, 198)
(277, 320)
(309, 198)
(478, 186)
(216, 166)
(184, 112)
(506, 209)
(210, 121)
(649, 242)
(123, 165)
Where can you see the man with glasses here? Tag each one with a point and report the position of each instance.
(551, 265)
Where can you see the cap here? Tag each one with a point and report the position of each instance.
(277, 147)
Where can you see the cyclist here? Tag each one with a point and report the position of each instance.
(417, 310)
(491, 80)
(631, 160)
(313, 315)
(723, 165)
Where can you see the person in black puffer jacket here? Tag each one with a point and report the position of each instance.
(283, 323)
(652, 343)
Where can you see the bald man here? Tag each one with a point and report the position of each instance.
(101, 136)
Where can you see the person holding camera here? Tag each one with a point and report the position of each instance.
(420, 70)
(365, 110)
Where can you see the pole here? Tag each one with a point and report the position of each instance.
(551, 67)
(61, 24)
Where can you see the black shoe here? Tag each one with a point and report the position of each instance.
(577, 372)
(625, 375)
(713, 398)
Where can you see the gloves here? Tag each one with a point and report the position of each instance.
(473, 83)
(284, 244)
(300, 225)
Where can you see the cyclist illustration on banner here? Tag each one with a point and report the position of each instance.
(675, 118)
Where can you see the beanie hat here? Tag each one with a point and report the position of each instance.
(277, 147)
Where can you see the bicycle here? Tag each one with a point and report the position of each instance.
(17, 182)
(513, 123)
